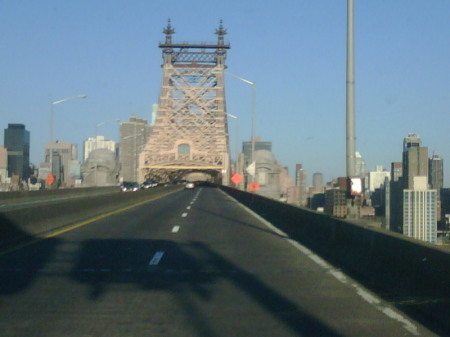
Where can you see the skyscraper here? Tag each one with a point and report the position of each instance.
(360, 165)
(134, 134)
(17, 142)
(415, 160)
(99, 142)
(318, 179)
(259, 145)
(300, 182)
(419, 202)
(436, 172)
(63, 155)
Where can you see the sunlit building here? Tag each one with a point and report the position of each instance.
(98, 142)
(420, 211)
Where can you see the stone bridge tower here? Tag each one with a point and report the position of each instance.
(190, 134)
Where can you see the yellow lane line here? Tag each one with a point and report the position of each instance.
(83, 223)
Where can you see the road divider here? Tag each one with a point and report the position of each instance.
(387, 262)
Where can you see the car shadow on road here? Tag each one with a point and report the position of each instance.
(191, 274)
(18, 268)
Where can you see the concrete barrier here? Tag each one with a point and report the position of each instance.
(14, 196)
(399, 268)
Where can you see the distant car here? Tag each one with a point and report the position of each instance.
(129, 186)
(189, 185)
(149, 184)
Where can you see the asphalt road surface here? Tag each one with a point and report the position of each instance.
(194, 263)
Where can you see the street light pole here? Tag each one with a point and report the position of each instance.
(253, 84)
(96, 143)
(237, 134)
(52, 104)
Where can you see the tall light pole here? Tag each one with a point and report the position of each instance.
(52, 104)
(237, 133)
(104, 123)
(350, 112)
(253, 84)
(96, 143)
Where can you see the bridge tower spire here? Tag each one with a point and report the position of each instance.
(190, 134)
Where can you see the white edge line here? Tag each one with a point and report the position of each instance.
(362, 292)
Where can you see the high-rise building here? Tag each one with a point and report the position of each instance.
(3, 164)
(63, 155)
(420, 211)
(134, 135)
(99, 142)
(377, 178)
(396, 171)
(394, 198)
(259, 145)
(436, 172)
(360, 165)
(415, 160)
(17, 143)
(300, 182)
(318, 179)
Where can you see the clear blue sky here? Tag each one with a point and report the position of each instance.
(294, 51)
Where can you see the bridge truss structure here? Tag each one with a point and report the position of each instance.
(190, 134)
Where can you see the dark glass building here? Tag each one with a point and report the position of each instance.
(17, 143)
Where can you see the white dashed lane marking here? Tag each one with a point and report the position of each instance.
(175, 229)
(156, 258)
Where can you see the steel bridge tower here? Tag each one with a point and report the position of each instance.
(190, 134)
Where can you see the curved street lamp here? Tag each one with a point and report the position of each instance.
(52, 104)
(253, 84)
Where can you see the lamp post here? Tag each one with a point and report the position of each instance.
(52, 104)
(96, 143)
(237, 133)
(253, 84)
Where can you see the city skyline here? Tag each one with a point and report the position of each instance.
(296, 57)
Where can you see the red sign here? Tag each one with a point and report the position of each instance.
(253, 187)
(236, 178)
(50, 179)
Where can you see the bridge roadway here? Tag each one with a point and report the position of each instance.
(193, 263)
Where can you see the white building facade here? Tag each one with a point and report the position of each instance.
(420, 211)
(377, 178)
(99, 142)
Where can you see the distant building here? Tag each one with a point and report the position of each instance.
(99, 142)
(396, 171)
(267, 174)
(436, 172)
(394, 199)
(415, 160)
(259, 145)
(63, 155)
(420, 211)
(360, 165)
(377, 178)
(336, 202)
(285, 183)
(101, 169)
(318, 179)
(134, 135)
(3, 164)
(17, 143)
(300, 181)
